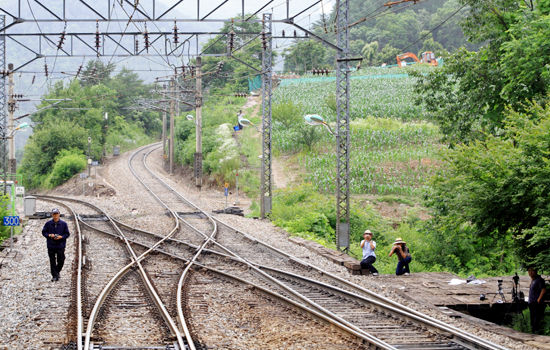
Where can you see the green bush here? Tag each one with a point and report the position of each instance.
(4, 230)
(66, 165)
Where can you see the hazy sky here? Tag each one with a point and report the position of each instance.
(147, 67)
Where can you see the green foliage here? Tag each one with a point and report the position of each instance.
(467, 98)
(44, 146)
(303, 210)
(88, 103)
(522, 322)
(251, 54)
(67, 163)
(4, 230)
(287, 114)
(498, 187)
(386, 157)
(304, 55)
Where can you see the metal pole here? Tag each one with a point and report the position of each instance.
(172, 105)
(342, 127)
(11, 127)
(198, 109)
(89, 155)
(3, 105)
(265, 190)
(237, 202)
(164, 130)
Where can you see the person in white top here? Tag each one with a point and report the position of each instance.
(240, 117)
(369, 257)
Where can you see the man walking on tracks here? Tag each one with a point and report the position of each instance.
(56, 232)
(537, 289)
(369, 257)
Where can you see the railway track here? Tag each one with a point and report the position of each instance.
(216, 251)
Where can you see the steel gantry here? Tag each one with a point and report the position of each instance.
(135, 41)
(342, 126)
(265, 190)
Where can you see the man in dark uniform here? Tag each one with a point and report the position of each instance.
(56, 232)
(537, 289)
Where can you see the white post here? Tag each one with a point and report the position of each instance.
(11, 239)
(237, 201)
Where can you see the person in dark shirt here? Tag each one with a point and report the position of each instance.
(537, 289)
(403, 256)
(56, 232)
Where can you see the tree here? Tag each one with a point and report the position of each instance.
(96, 72)
(251, 54)
(304, 55)
(501, 186)
(370, 52)
(467, 98)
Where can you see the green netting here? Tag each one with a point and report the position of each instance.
(255, 83)
(285, 82)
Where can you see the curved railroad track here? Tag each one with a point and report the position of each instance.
(216, 251)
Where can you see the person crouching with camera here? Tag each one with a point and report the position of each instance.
(369, 257)
(404, 257)
(56, 232)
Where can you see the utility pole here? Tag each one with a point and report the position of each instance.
(11, 111)
(342, 126)
(198, 109)
(164, 130)
(265, 186)
(172, 105)
(3, 105)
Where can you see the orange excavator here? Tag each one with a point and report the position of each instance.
(427, 57)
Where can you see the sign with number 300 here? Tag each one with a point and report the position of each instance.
(11, 220)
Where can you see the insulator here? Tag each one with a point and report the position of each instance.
(283, 33)
(176, 41)
(231, 40)
(46, 69)
(137, 45)
(176, 70)
(294, 33)
(307, 34)
(33, 79)
(97, 38)
(61, 40)
(79, 70)
(136, 3)
(146, 38)
(314, 71)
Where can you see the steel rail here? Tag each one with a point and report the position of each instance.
(370, 338)
(112, 283)
(460, 334)
(80, 319)
(408, 316)
(442, 325)
(290, 302)
(181, 317)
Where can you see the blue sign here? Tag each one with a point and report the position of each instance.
(11, 220)
(95, 162)
(226, 191)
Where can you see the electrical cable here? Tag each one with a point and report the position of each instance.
(431, 31)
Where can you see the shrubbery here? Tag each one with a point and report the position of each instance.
(67, 163)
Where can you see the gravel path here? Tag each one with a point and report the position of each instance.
(25, 282)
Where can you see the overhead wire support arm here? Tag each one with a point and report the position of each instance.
(255, 13)
(391, 3)
(315, 36)
(246, 64)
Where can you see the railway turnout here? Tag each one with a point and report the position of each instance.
(206, 284)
